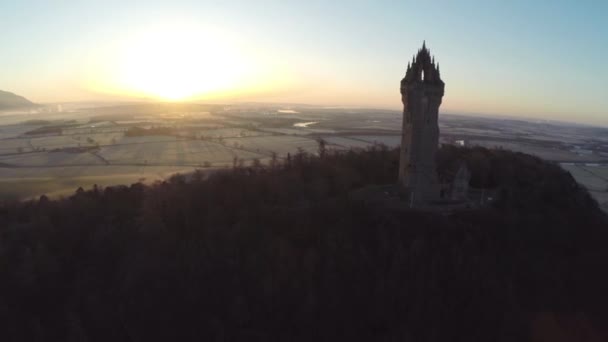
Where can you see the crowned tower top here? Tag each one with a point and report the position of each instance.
(421, 93)
(423, 68)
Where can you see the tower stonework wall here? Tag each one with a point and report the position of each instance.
(421, 93)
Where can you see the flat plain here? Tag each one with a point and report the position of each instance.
(54, 153)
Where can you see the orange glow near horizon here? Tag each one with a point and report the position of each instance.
(180, 63)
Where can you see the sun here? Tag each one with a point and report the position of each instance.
(177, 63)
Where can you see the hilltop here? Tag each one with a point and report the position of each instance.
(282, 252)
(12, 101)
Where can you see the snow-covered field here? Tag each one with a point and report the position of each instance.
(178, 153)
(278, 144)
(388, 140)
(51, 159)
(15, 146)
(346, 142)
(228, 133)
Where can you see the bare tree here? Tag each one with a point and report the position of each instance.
(322, 148)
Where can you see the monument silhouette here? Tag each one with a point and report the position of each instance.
(421, 93)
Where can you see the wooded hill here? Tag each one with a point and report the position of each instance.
(12, 101)
(281, 252)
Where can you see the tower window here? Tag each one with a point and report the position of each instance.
(422, 75)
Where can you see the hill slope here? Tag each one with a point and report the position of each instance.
(12, 101)
(282, 253)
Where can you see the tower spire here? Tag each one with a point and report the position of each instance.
(421, 97)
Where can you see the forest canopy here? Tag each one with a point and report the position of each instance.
(283, 252)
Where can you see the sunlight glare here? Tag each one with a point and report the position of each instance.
(179, 63)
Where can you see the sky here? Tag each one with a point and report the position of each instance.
(535, 59)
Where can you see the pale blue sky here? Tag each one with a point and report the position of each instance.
(540, 59)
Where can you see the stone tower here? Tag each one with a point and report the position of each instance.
(421, 93)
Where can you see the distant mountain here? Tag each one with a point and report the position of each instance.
(13, 101)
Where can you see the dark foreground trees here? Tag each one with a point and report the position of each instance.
(283, 253)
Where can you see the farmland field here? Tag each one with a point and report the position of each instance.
(278, 144)
(54, 153)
